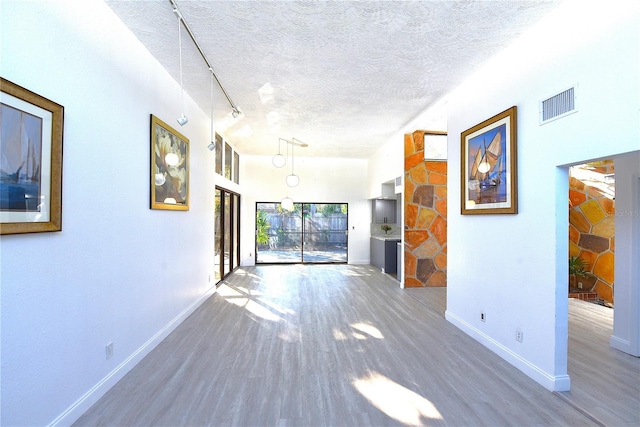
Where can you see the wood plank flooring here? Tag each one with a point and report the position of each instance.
(319, 346)
(605, 382)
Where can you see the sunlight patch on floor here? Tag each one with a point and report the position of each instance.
(370, 330)
(240, 299)
(396, 401)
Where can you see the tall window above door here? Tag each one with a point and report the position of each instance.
(227, 160)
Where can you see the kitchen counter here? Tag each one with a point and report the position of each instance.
(387, 238)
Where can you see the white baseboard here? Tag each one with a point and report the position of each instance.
(75, 411)
(623, 345)
(548, 381)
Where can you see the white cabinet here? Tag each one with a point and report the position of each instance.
(384, 211)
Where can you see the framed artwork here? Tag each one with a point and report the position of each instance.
(169, 167)
(31, 129)
(435, 145)
(489, 168)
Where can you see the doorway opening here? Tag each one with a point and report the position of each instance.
(592, 231)
(306, 233)
(226, 233)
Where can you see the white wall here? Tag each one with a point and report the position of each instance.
(386, 164)
(118, 271)
(626, 327)
(322, 180)
(498, 264)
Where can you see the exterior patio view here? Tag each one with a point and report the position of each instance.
(308, 233)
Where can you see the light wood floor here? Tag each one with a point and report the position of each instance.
(326, 345)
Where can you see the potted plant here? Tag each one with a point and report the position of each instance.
(386, 228)
(577, 268)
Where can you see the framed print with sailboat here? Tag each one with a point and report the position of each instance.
(30, 161)
(489, 167)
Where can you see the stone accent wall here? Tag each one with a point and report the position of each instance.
(425, 216)
(592, 233)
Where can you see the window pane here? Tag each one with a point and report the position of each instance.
(227, 161)
(218, 154)
(236, 168)
(278, 233)
(227, 234)
(217, 224)
(325, 232)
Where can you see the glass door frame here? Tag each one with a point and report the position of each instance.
(303, 237)
(226, 233)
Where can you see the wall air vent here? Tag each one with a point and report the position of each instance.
(558, 106)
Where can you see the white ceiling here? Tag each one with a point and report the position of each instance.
(342, 76)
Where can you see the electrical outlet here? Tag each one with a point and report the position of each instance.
(519, 335)
(483, 317)
(579, 285)
(109, 350)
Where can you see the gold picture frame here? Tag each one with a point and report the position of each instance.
(30, 161)
(488, 182)
(169, 167)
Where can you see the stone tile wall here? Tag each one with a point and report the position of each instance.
(425, 216)
(592, 234)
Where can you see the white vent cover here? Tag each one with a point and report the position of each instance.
(558, 106)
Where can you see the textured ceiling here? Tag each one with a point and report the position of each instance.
(342, 76)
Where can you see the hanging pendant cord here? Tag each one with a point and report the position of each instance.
(211, 92)
(234, 107)
(180, 54)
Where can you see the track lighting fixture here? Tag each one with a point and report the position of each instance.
(235, 111)
(211, 146)
(182, 120)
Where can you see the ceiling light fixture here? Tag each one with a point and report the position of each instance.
(287, 203)
(182, 120)
(235, 111)
(279, 160)
(292, 180)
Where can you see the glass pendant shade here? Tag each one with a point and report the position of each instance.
(287, 203)
(279, 160)
(292, 180)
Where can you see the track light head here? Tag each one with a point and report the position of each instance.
(211, 146)
(236, 112)
(182, 120)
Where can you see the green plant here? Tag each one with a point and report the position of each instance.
(262, 228)
(385, 227)
(578, 266)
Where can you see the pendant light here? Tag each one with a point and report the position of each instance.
(292, 180)
(182, 120)
(287, 203)
(212, 144)
(279, 160)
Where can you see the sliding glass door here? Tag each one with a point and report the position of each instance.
(309, 233)
(227, 233)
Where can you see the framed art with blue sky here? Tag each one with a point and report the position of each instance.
(489, 166)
